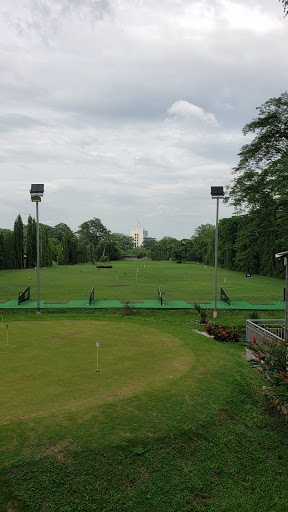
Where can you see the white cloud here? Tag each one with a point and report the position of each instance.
(185, 110)
(251, 16)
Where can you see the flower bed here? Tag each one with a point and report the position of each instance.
(225, 333)
(272, 361)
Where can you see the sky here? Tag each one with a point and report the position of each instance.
(130, 110)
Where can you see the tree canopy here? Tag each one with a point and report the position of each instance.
(261, 174)
(259, 190)
(285, 6)
(19, 242)
(91, 232)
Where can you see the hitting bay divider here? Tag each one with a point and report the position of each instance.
(225, 297)
(24, 296)
(160, 295)
(91, 296)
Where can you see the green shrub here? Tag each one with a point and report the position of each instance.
(203, 313)
(128, 308)
(104, 259)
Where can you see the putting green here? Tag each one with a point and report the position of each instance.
(50, 367)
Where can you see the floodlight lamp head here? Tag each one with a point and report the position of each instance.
(281, 254)
(36, 192)
(217, 192)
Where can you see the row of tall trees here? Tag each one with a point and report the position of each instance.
(18, 248)
(248, 243)
(259, 194)
(93, 241)
(200, 247)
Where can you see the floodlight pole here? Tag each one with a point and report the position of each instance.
(38, 258)
(216, 193)
(216, 260)
(37, 191)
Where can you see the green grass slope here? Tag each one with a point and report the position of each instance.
(173, 421)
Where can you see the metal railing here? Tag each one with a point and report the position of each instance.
(265, 330)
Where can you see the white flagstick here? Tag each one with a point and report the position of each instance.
(7, 335)
(97, 345)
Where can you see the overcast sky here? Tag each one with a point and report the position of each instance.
(131, 109)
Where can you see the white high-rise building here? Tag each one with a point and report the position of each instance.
(138, 235)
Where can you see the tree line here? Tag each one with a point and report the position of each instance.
(59, 244)
(18, 248)
(259, 194)
(94, 242)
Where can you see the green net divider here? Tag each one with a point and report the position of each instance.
(91, 296)
(224, 297)
(23, 296)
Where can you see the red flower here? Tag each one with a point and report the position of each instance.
(254, 340)
(259, 356)
(261, 343)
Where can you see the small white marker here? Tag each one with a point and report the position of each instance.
(97, 346)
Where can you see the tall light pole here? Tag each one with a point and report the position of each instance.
(216, 193)
(37, 191)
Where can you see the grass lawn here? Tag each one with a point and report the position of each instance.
(191, 282)
(174, 421)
